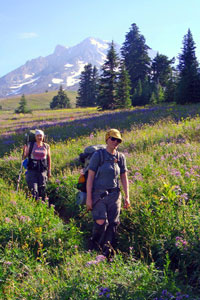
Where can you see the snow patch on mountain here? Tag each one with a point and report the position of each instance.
(57, 80)
(29, 75)
(68, 66)
(98, 44)
(17, 86)
(74, 78)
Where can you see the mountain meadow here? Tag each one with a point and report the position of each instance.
(35, 100)
(44, 245)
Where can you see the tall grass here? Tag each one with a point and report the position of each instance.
(46, 257)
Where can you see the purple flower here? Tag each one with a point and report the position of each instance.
(175, 172)
(24, 219)
(104, 292)
(100, 258)
(184, 196)
(8, 263)
(187, 174)
(13, 202)
(92, 262)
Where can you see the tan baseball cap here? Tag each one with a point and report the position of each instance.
(113, 133)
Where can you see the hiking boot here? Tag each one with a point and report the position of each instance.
(109, 251)
(93, 245)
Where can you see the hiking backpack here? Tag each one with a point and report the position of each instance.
(84, 158)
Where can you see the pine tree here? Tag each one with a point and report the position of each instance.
(108, 81)
(94, 85)
(188, 89)
(61, 100)
(142, 92)
(135, 54)
(138, 94)
(87, 92)
(123, 88)
(158, 94)
(22, 108)
(153, 99)
(170, 90)
(161, 69)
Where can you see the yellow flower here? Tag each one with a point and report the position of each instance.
(38, 229)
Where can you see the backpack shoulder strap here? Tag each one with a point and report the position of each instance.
(30, 149)
(101, 160)
(101, 157)
(118, 156)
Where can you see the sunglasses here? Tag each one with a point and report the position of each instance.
(115, 139)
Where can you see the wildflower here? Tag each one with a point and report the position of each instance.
(38, 229)
(187, 174)
(58, 181)
(24, 219)
(104, 292)
(92, 262)
(7, 220)
(175, 172)
(91, 136)
(184, 196)
(137, 176)
(100, 258)
(181, 244)
(8, 263)
(13, 202)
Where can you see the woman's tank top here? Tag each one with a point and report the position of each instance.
(39, 152)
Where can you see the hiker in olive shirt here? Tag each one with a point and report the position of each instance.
(39, 165)
(103, 192)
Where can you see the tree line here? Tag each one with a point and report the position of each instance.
(136, 79)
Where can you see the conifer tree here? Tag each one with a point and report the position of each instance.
(22, 108)
(170, 90)
(108, 81)
(188, 89)
(94, 86)
(87, 92)
(135, 54)
(123, 88)
(61, 100)
(161, 69)
(142, 92)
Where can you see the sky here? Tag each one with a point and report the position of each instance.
(29, 29)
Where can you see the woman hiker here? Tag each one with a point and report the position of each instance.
(103, 192)
(39, 165)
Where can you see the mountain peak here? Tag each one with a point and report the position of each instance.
(59, 49)
(63, 66)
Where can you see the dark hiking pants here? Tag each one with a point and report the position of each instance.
(37, 183)
(107, 209)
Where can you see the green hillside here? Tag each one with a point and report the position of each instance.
(35, 101)
(44, 252)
